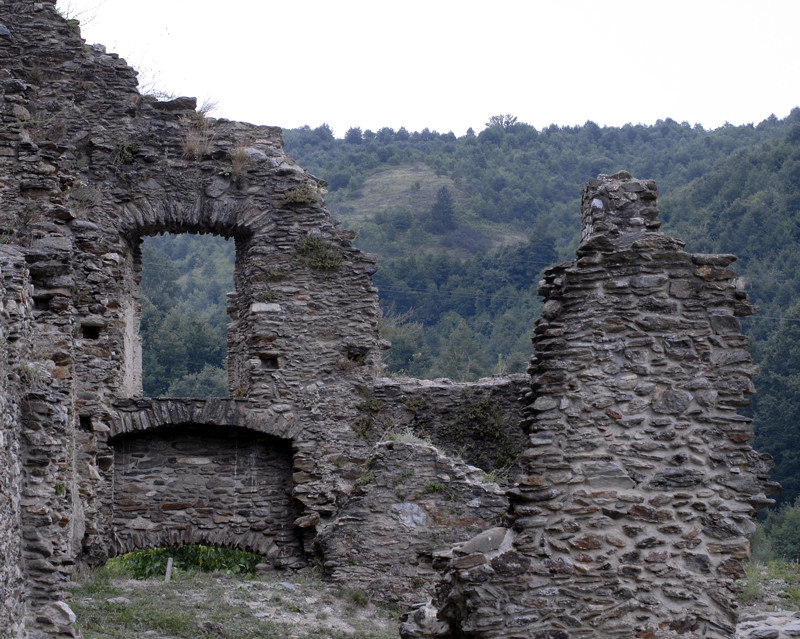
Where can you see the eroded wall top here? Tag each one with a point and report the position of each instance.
(632, 515)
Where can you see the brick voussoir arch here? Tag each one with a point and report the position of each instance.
(228, 217)
(254, 542)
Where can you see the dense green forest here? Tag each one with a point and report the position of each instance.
(463, 227)
(185, 280)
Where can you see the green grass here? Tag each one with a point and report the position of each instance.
(776, 584)
(318, 254)
(408, 437)
(751, 585)
(152, 562)
(197, 605)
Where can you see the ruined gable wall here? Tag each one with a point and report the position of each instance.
(90, 167)
(632, 515)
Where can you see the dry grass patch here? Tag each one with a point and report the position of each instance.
(205, 605)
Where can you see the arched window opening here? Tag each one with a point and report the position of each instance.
(184, 287)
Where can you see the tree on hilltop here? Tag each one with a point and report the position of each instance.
(506, 121)
(353, 135)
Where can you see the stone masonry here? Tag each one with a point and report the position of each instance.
(632, 514)
(635, 486)
(224, 488)
(89, 166)
(14, 309)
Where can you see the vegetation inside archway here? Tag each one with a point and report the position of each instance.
(185, 281)
(152, 562)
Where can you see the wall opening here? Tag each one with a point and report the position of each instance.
(199, 484)
(184, 287)
(90, 331)
(146, 563)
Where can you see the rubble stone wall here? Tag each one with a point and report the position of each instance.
(478, 422)
(14, 308)
(200, 485)
(90, 167)
(633, 497)
(632, 514)
(396, 528)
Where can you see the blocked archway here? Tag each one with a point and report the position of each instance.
(199, 484)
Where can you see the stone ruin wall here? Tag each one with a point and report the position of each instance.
(14, 308)
(196, 485)
(639, 489)
(89, 167)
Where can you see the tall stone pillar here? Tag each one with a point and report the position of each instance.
(632, 516)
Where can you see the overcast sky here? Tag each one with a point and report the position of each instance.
(449, 65)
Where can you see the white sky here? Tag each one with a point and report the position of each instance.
(450, 64)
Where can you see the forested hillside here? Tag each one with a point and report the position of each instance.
(185, 280)
(464, 226)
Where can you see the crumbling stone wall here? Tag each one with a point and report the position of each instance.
(89, 167)
(14, 306)
(637, 486)
(632, 514)
(478, 422)
(408, 508)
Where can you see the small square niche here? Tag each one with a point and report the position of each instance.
(90, 331)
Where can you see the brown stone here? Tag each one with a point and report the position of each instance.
(739, 549)
(587, 542)
(649, 514)
(307, 521)
(469, 561)
(532, 480)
